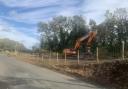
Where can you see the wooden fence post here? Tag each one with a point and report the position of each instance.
(50, 57)
(78, 57)
(42, 58)
(97, 55)
(65, 59)
(57, 58)
(123, 50)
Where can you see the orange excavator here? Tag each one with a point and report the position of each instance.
(87, 40)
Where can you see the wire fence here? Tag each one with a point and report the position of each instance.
(102, 54)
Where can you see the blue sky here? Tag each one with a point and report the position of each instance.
(19, 18)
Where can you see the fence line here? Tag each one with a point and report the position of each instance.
(101, 55)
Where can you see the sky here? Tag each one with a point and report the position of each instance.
(19, 18)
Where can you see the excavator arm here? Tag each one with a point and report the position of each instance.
(88, 39)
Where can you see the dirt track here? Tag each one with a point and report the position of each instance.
(16, 74)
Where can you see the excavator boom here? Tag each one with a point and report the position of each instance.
(88, 39)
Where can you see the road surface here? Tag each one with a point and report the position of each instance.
(16, 74)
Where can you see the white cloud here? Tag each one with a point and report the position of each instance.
(53, 8)
(99, 7)
(90, 9)
(69, 11)
(32, 17)
(28, 3)
(38, 3)
(7, 31)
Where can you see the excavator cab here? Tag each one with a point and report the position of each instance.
(70, 51)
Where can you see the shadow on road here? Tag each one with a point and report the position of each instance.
(12, 81)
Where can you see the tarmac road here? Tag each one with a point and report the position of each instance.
(16, 74)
